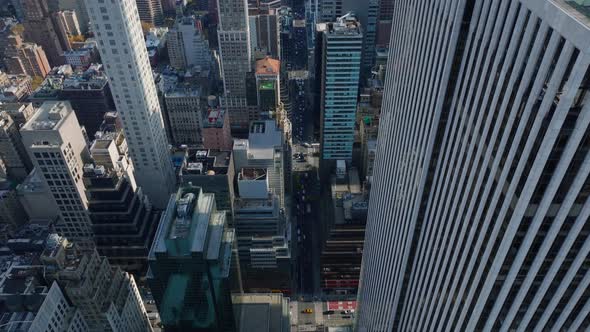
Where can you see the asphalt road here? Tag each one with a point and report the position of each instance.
(307, 228)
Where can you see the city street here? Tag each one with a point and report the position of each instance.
(306, 227)
(319, 319)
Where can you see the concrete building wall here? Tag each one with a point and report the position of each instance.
(482, 171)
(123, 51)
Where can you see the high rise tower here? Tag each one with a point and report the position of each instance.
(41, 29)
(480, 202)
(190, 264)
(234, 47)
(122, 49)
(341, 60)
(57, 148)
(150, 11)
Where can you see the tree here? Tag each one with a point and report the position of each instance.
(146, 26)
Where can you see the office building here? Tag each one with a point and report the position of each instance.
(35, 306)
(36, 198)
(25, 58)
(82, 56)
(187, 45)
(41, 29)
(12, 213)
(123, 220)
(156, 41)
(19, 112)
(216, 130)
(150, 11)
(344, 234)
(341, 52)
(268, 89)
(384, 24)
(14, 88)
(366, 12)
(480, 195)
(58, 150)
(87, 91)
(106, 297)
(12, 150)
(125, 56)
(67, 22)
(77, 6)
(212, 170)
(190, 264)
(185, 113)
(234, 49)
(258, 208)
(262, 312)
(8, 27)
(264, 34)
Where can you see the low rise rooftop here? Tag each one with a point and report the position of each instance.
(207, 162)
(49, 116)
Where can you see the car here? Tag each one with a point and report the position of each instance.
(345, 317)
(307, 311)
(328, 312)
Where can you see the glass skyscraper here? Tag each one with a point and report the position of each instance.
(341, 61)
(190, 264)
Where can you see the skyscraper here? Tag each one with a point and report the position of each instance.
(79, 7)
(366, 12)
(268, 88)
(190, 264)
(384, 23)
(107, 298)
(12, 150)
(234, 48)
(187, 46)
(341, 60)
(150, 11)
(185, 115)
(123, 220)
(480, 201)
(25, 58)
(40, 29)
(123, 51)
(57, 148)
(67, 22)
(258, 208)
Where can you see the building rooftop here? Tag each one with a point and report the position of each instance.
(262, 312)
(268, 66)
(183, 92)
(215, 118)
(207, 162)
(253, 174)
(64, 78)
(187, 224)
(49, 116)
(344, 25)
(263, 138)
(34, 182)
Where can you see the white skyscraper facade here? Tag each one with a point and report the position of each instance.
(479, 216)
(122, 48)
(58, 150)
